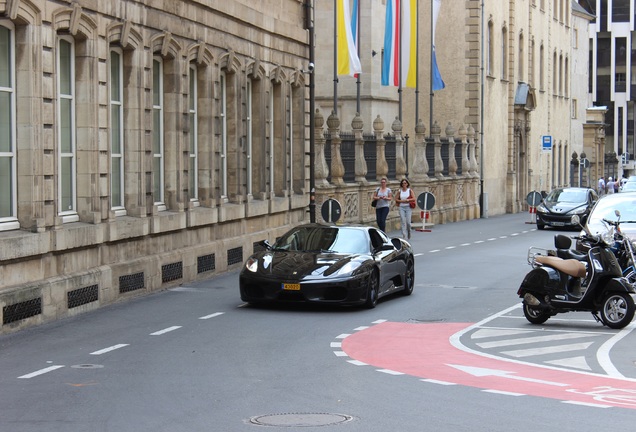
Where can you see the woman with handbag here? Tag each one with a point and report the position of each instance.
(405, 199)
(381, 201)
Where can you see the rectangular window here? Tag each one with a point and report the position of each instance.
(223, 135)
(66, 131)
(157, 133)
(8, 218)
(193, 116)
(116, 133)
(574, 108)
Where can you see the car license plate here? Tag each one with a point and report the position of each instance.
(558, 223)
(291, 287)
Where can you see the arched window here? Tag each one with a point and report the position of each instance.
(504, 53)
(193, 141)
(542, 68)
(521, 60)
(555, 74)
(490, 52)
(158, 133)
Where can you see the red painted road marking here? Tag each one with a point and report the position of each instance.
(424, 351)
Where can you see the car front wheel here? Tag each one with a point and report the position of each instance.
(409, 278)
(373, 288)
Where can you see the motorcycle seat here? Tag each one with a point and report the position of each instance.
(571, 267)
(571, 254)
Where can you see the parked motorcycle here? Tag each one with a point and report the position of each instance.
(623, 248)
(591, 282)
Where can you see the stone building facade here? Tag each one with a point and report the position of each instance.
(508, 69)
(143, 144)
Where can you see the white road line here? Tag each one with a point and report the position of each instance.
(109, 349)
(164, 331)
(336, 345)
(501, 392)
(593, 405)
(434, 250)
(465, 244)
(491, 239)
(390, 372)
(41, 371)
(479, 241)
(342, 336)
(361, 328)
(433, 381)
(357, 363)
(450, 247)
(548, 350)
(380, 321)
(602, 355)
(216, 314)
(530, 340)
(340, 354)
(418, 254)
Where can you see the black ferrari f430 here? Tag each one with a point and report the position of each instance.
(329, 264)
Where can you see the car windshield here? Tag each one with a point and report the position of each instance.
(626, 204)
(629, 186)
(567, 195)
(327, 239)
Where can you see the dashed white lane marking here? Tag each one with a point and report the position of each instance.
(164, 331)
(336, 344)
(357, 363)
(434, 381)
(41, 371)
(109, 349)
(390, 372)
(505, 393)
(593, 405)
(216, 314)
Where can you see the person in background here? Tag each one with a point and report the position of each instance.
(383, 197)
(610, 185)
(405, 196)
(601, 186)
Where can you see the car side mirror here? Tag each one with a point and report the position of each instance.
(384, 247)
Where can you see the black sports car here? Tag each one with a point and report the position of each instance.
(315, 263)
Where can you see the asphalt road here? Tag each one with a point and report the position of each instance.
(455, 356)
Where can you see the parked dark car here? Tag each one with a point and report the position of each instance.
(328, 264)
(561, 204)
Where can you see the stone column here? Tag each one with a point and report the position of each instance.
(337, 167)
(420, 164)
(381, 166)
(439, 163)
(471, 151)
(360, 163)
(321, 170)
(452, 161)
(465, 149)
(400, 164)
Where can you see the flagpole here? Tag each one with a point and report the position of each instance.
(401, 24)
(430, 124)
(358, 41)
(335, 56)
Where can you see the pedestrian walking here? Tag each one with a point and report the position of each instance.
(610, 185)
(405, 199)
(601, 186)
(382, 198)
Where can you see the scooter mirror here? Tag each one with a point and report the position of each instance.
(617, 213)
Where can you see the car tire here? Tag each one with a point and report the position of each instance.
(373, 289)
(409, 278)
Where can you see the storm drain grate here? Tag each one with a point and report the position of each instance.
(206, 263)
(22, 310)
(235, 255)
(82, 296)
(172, 271)
(300, 419)
(131, 282)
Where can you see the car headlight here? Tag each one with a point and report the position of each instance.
(251, 264)
(579, 210)
(349, 267)
(541, 209)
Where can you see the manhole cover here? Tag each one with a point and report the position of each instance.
(300, 419)
(87, 366)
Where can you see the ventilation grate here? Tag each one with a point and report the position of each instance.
(131, 282)
(22, 310)
(172, 271)
(206, 263)
(82, 296)
(235, 255)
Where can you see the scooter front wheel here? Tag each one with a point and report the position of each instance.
(618, 310)
(534, 314)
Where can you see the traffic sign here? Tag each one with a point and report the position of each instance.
(546, 143)
(331, 210)
(534, 198)
(585, 163)
(426, 200)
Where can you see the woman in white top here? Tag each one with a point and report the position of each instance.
(403, 198)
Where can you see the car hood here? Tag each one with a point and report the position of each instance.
(301, 265)
(627, 228)
(562, 207)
